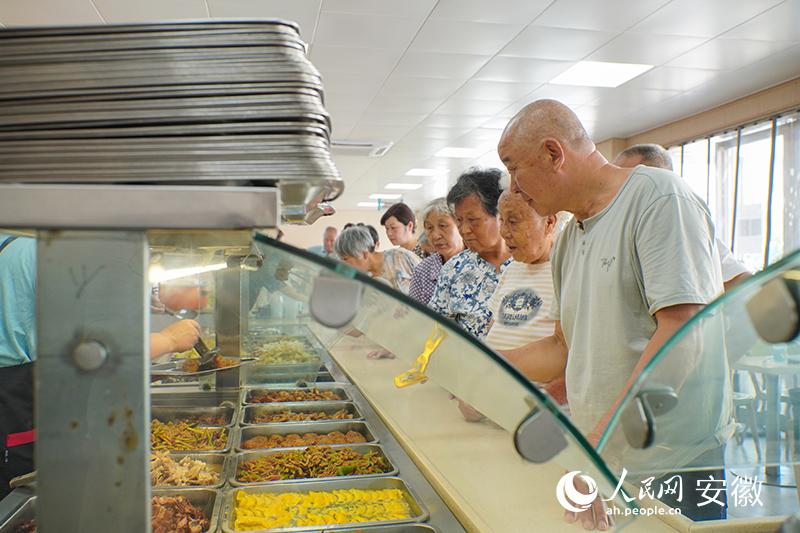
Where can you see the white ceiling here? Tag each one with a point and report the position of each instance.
(430, 74)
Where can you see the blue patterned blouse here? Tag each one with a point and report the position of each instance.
(462, 293)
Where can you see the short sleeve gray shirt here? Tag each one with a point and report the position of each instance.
(652, 247)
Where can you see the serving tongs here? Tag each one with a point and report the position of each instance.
(206, 354)
(417, 374)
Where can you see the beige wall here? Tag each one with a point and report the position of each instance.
(305, 236)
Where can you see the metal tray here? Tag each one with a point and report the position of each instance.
(225, 449)
(418, 510)
(207, 500)
(253, 392)
(252, 411)
(298, 374)
(320, 428)
(400, 528)
(363, 449)
(217, 462)
(24, 513)
(196, 398)
(171, 414)
(175, 368)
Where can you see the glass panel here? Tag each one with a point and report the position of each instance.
(751, 211)
(785, 231)
(458, 365)
(702, 390)
(695, 167)
(723, 176)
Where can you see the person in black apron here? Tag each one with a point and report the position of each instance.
(17, 432)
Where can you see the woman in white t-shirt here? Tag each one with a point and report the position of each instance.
(521, 301)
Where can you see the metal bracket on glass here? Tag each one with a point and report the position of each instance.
(773, 310)
(417, 374)
(639, 417)
(539, 437)
(334, 301)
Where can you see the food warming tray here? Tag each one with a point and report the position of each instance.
(216, 461)
(171, 414)
(251, 411)
(250, 393)
(418, 511)
(363, 449)
(320, 428)
(24, 513)
(207, 500)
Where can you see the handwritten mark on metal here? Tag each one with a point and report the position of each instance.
(84, 281)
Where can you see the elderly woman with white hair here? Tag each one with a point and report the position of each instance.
(356, 246)
(441, 231)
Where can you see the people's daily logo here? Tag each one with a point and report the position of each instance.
(566, 489)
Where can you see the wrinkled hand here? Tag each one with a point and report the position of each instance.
(380, 354)
(182, 334)
(470, 414)
(594, 516)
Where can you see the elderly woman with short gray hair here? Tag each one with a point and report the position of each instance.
(355, 246)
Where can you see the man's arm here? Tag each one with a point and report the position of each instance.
(543, 360)
(669, 320)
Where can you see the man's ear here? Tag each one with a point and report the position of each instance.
(555, 152)
(551, 222)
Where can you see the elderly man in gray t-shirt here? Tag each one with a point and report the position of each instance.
(634, 265)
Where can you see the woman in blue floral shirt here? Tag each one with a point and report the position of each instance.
(468, 279)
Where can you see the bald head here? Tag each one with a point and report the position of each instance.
(547, 119)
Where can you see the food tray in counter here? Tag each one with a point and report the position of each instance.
(320, 428)
(179, 437)
(324, 492)
(251, 413)
(175, 368)
(22, 515)
(196, 398)
(201, 416)
(240, 459)
(216, 462)
(400, 528)
(283, 350)
(207, 500)
(295, 394)
(288, 373)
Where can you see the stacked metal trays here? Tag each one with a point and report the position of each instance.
(202, 103)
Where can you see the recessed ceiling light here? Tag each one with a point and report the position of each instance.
(459, 152)
(599, 74)
(404, 186)
(385, 196)
(368, 204)
(428, 171)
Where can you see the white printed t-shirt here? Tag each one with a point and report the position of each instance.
(520, 305)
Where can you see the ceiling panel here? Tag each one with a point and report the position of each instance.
(673, 78)
(365, 31)
(428, 64)
(459, 37)
(645, 48)
(391, 8)
(462, 106)
(604, 16)
(728, 54)
(440, 88)
(571, 95)
(124, 12)
(48, 12)
(706, 18)
(777, 24)
(520, 69)
(395, 103)
(500, 12)
(497, 91)
(559, 44)
(377, 61)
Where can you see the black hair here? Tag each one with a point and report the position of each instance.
(481, 182)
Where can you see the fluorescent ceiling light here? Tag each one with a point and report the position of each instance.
(368, 204)
(598, 74)
(459, 152)
(404, 186)
(385, 196)
(428, 171)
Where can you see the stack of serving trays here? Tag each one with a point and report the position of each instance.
(208, 103)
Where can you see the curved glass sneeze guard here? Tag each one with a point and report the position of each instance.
(703, 399)
(459, 364)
